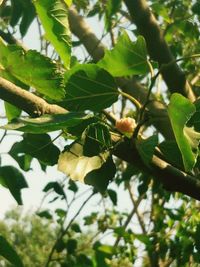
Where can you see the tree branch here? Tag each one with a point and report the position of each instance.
(156, 110)
(30, 103)
(157, 47)
(172, 178)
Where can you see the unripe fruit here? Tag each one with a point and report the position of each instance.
(126, 125)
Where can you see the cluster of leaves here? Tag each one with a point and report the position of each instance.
(87, 91)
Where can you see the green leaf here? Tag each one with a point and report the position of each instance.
(72, 162)
(38, 146)
(54, 18)
(13, 179)
(96, 139)
(113, 196)
(84, 261)
(12, 112)
(100, 178)
(171, 153)
(180, 110)
(76, 228)
(71, 246)
(22, 12)
(146, 148)
(17, 11)
(47, 123)
(89, 87)
(8, 252)
(77, 130)
(126, 58)
(96, 171)
(27, 16)
(45, 214)
(60, 213)
(38, 71)
(56, 187)
(73, 186)
(6, 50)
(107, 249)
(112, 7)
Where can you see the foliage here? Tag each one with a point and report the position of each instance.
(69, 108)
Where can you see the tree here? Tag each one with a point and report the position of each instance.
(149, 140)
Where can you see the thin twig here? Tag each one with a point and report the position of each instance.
(62, 233)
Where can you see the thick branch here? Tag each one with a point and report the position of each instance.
(172, 178)
(157, 46)
(30, 103)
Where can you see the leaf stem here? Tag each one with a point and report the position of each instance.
(132, 99)
(150, 68)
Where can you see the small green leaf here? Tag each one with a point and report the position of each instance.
(56, 187)
(47, 123)
(54, 17)
(8, 252)
(45, 214)
(73, 186)
(76, 228)
(106, 249)
(89, 87)
(180, 110)
(13, 179)
(113, 196)
(96, 139)
(36, 70)
(146, 148)
(126, 58)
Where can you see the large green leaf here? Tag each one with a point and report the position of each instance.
(47, 123)
(72, 162)
(37, 71)
(89, 87)
(95, 170)
(38, 146)
(8, 252)
(180, 110)
(126, 58)
(54, 17)
(11, 178)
